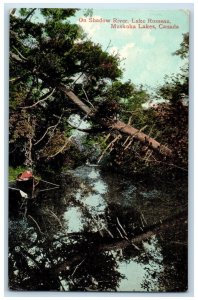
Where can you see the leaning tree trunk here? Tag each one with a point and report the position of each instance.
(118, 125)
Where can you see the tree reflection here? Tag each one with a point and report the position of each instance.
(45, 256)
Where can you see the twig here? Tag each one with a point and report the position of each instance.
(109, 145)
(61, 149)
(77, 79)
(109, 44)
(26, 254)
(56, 187)
(47, 96)
(61, 225)
(36, 224)
(77, 267)
(50, 183)
(119, 232)
(15, 79)
(87, 98)
(19, 53)
(135, 246)
(129, 121)
(121, 226)
(30, 13)
(129, 144)
(126, 140)
(147, 155)
(50, 127)
(109, 232)
(107, 137)
(143, 219)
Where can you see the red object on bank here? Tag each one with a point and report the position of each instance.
(25, 175)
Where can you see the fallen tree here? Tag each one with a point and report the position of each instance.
(115, 125)
(108, 244)
(118, 125)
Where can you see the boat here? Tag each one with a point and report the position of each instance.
(26, 181)
(28, 186)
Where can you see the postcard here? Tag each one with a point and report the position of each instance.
(98, 150)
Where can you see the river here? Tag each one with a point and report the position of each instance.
(79, 237)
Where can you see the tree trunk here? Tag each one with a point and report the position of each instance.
(118, 125)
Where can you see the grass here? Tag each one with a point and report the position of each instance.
(14, 172)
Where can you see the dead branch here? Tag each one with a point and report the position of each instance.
(143, 219)
(77, 267)
(88, 101)
(118, 125)
(119, 232)
(20, 54)
(47, 96)
(55, 216)
(50, 127)
(109, 44)
(129, 144)
(122, 243)
(142, 137)
(106, 138)
(109, 145)
(12, 11)
(36, 224)
(147, 233)
(129, 120)
(61, 149)
(128, 137)
(121, 227)
(30, 13)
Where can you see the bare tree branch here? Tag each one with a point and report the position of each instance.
(61, 149)
(30, 13)
(87, 98)
(118, 125)
(47, 96)
(50, 127)
(20, 54)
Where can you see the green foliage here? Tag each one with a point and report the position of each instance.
(57, 14)
(178, 84)
(14, 172)
(174, 86)
(119, 91)
(51, 50)
(183, 51)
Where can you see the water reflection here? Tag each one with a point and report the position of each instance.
(74, 219)
(80, 237)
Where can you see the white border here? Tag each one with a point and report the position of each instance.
(3, 156)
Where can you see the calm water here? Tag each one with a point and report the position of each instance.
(78, 237)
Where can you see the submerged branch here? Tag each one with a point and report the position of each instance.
(35, 223)
(123, 242)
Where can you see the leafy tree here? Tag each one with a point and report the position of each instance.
(47, 49)
(178, 84)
